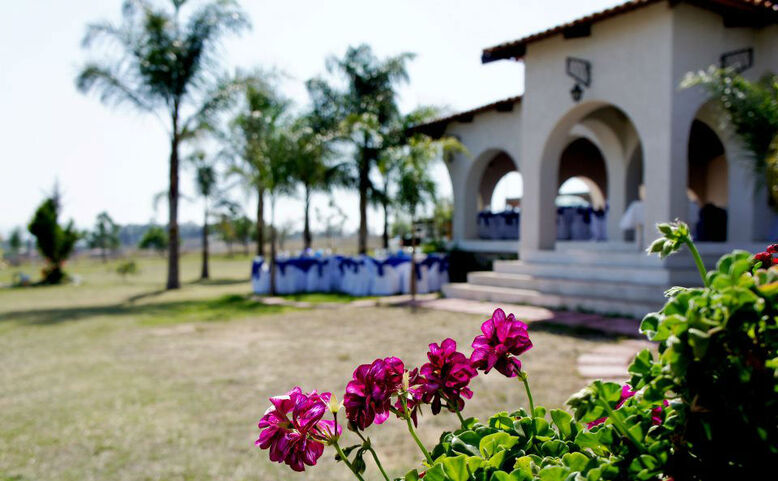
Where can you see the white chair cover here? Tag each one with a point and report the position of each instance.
(289, 279)
(422, 279)
(260, 276)
(579, 228)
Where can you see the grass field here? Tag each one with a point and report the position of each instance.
(116, 379)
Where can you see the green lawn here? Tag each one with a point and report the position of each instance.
(119, 380)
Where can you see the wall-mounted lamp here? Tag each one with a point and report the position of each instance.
(576, 92)
(581, 71)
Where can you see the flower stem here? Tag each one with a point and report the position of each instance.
(454, 406)
(374, 454)
(620, 425)
(523, 376)
(697, 260)
(346, 461)
(411, 430)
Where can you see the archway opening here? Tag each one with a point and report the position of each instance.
(498, 201)
(582, 186)
(708, 184)
(508, 192)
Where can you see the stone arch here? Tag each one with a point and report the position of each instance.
(617, 136)
(583, 159)
(708, 183)
(486, 170)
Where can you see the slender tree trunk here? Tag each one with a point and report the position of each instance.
(413, 262)
(104, 254)
(307, 221)
(261, 221)
(173, 246)
(364, 171)
(386, 224)
(272, 247)
(204, 274)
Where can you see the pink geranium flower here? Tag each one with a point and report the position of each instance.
(657, 413)
(291, 428)
(765, 258)
(626, 393)
(368, 394)
(445, 377)
(503, 338)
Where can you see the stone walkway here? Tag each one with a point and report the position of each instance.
(607, 362)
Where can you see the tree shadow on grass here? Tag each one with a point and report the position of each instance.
(219, 309)
(217, 282)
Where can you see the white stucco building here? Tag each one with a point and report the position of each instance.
(602, 103)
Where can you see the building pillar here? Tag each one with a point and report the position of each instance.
(457, 170)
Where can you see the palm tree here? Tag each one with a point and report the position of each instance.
(415, 185)
(392, 156)
(165, 66)
(260, 109)
(206, 185)
(365, 110)
(105, 236)
(280, 148)
(311, 167)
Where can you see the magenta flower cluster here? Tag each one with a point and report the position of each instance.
(444, 379)
(766, 257)
(368, 396)
(294, 432)
(504, 338)
(293, 428)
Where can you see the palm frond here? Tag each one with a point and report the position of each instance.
(111, 89)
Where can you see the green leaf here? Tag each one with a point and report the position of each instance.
(503, 476)
(525, 464)
(466, 443)
(554, 448)
(474, 462)
(496, 460)
(456, 468)
(492, 443)
(562, 420)
(699, 341)
(501, 421)
(435, 473)
(575, 461)
(411, 475)
(553, 473)
(649, 325)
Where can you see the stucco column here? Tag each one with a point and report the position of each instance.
(744, 198)
(665, 177)
(457, 169)
(617, 179)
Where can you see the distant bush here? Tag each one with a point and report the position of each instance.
(155, 238)
(54, 242)
(127, 268)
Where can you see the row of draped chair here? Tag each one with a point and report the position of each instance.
(356, 276)
(581, 224)
(573, 223)
(498, 225)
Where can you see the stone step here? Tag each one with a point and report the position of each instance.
(572, 287)
(656, 276)
(555, 301)
(619, 258)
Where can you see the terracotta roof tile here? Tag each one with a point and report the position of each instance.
(517, 49)
(435, 128)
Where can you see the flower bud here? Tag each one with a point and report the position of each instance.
(335, 405)
(406, 381)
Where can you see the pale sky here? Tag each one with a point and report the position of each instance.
(116, 160)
